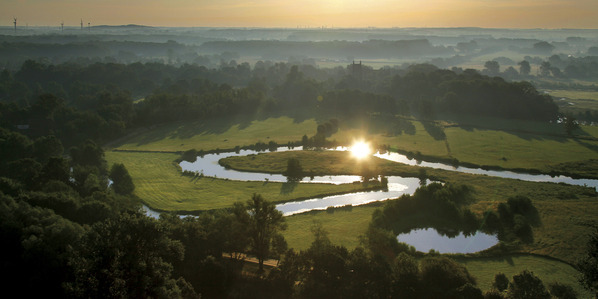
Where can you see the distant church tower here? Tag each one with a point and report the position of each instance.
(357, 71)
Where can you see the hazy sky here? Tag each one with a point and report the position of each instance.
(279, 13)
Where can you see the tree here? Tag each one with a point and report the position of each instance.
(501, 282)
(441, 275)
(562, 291)
(545, 68)
(570, 125)
(543, 47)
(492, 67)
(405, 276)
(122, 183)
(524, 68)
(129, 256)
(263, 222)
(588, 265)
(527, 285)
(294, 170)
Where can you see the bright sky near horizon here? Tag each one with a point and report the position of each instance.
(312, 13)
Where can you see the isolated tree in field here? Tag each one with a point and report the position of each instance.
(263, 222)
(122, 183)
(524, 68)
(294, 170)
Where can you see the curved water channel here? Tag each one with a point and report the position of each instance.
(422, 239)
(397, 186)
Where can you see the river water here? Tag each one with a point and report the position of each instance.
(422, 239)
(397, 186)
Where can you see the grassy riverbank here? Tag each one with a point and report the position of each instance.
(160, 184)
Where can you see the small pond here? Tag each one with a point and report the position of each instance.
(426, 239)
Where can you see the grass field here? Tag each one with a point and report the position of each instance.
(548, 270)
(575, 94)
(223, 134)
(161, 186)
(344, 226)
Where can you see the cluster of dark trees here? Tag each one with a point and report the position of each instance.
(445, 208)
(471, 93)
(67, 232)
(103, 93)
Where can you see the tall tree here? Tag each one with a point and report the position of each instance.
(524, 68)
(263, 222)
(122, 183)
(492, 67)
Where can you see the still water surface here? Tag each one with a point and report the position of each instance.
(426, 239)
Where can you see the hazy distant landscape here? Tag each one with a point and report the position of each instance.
(233, 162)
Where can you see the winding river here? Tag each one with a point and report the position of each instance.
(397, 186)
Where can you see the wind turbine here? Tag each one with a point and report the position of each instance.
(15, 22)
(81, 24)
(62, 26)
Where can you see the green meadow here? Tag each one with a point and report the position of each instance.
(160, 184)
(217, 134)
(548, 270)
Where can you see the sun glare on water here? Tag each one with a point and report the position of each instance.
(360, 149)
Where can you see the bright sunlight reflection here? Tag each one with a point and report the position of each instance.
(360, 149)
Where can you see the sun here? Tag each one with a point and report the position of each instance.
(360, 149)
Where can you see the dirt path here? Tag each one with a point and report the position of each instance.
(254, 260)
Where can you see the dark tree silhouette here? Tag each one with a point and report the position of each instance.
(263, 222)
(122, 183)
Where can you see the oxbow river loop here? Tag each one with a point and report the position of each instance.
(397, 186)
(421, 239)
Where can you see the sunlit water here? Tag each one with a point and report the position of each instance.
(397, 186)
(428, 238)
(395, 157)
